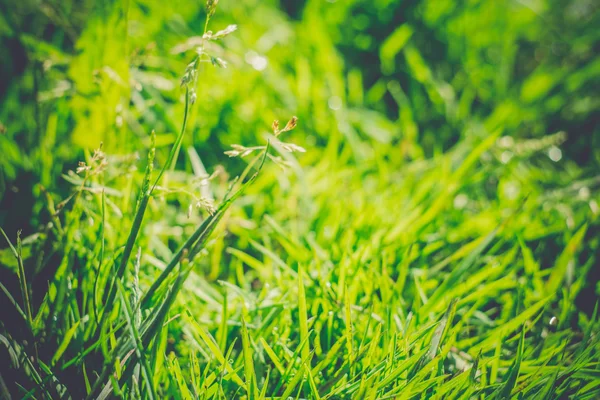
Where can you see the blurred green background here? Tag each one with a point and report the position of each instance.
(384, 81)
(393, 80)
(396, 81)
(427, 124)
(415, 75)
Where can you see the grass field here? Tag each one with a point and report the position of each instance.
(300, 199)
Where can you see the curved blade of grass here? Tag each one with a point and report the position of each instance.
(13, 301)
(177, 145)
(249, 371)
(146, 371)
(100, 257)
(589, 332)
(151, 325)
(65, 342)
(272, 355)
(560, 268)
(198, 239)
(22, 279)
(506, 389)
(437, 338)
(311, 382)
(303, 316)
(457, 273)
(143, 198)
(293, 383)
(175, 370)
(504, 329)
(214, 348)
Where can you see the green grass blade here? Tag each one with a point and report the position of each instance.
(303, 315)
(143, 198)
(13, 301)
(214, 348)
(22, 277)
(249, 371)
(65, 343)
(100, 258)
(457, 273)
(560, 268)
(505, 391)
(197, 240)
(139, 348)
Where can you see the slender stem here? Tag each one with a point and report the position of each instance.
(139, 216)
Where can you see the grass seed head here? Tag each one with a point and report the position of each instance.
(211, 7)
(218, 61)
(291, 124)
(280, 162)
(82, 167)
(209, 35)
(207, 204)
(291, 147)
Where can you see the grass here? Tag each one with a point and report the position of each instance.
(389, 257)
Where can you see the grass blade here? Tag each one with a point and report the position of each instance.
(197, 240)
(249, 371)
(513, 374)
(139, 348)
(143, 198)
(303, 316)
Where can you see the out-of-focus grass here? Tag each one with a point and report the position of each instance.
(438, 239)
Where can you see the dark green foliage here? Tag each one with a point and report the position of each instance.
(438, 239)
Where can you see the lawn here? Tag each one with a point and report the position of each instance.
(309, 199)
